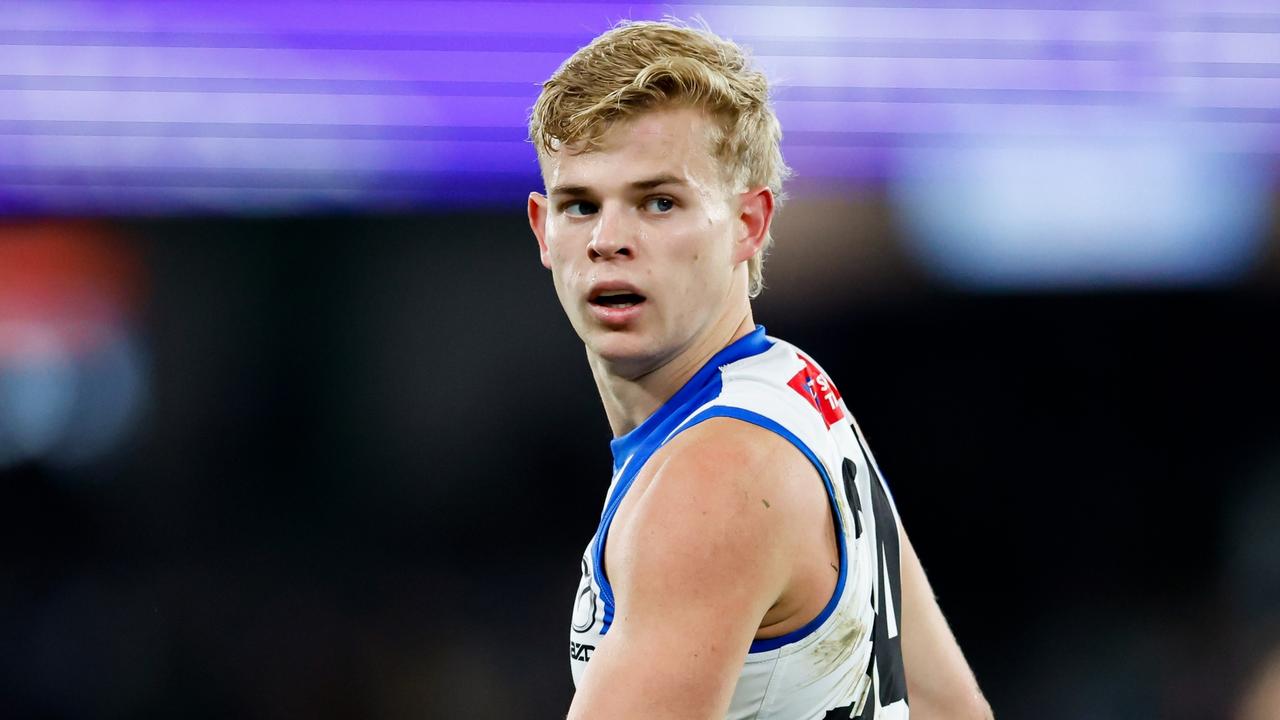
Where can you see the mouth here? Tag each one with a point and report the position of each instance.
(616, 299)
(616, 305)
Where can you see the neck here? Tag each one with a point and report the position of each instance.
(629, 401)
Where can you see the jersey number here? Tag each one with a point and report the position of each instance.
(886, 639)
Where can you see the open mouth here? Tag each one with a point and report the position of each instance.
(619, 299)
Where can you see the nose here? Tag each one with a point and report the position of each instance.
(611, 237)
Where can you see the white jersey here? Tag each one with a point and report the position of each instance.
(847, 661)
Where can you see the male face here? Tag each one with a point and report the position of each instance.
(645, 239)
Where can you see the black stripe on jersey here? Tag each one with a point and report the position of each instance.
(851, 491)
(887, 650)
(840, 713)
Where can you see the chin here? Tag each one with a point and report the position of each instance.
(628, 352)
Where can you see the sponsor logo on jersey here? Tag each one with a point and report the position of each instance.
(580, 651)
(813, 385)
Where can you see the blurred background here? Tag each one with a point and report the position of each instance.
(291, 423)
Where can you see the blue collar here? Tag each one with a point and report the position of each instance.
(697, 391)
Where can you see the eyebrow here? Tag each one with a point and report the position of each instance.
(647, 184)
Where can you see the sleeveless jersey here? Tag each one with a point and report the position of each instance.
(847, 661)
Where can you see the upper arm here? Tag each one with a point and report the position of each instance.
(939, 681)
(702, 556)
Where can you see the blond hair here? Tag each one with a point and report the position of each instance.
(640, 66)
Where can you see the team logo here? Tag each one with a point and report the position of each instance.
(584, 608)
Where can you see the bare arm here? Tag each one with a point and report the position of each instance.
(695, 567)
(939, 681)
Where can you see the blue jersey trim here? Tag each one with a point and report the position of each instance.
(627, 445)
(755, 418)
(635, 448)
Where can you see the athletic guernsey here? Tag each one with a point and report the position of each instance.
(847, 661)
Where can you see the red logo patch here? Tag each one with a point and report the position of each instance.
(821, 393)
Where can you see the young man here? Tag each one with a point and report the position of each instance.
(749, 562)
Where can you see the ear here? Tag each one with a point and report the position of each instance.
(755, 213)
(538, 222)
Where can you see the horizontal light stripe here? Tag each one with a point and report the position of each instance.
(195, 103)
(262, 108)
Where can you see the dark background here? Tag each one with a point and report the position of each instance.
(291, 423)
(371, 454)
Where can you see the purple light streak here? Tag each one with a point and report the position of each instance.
(190, 105)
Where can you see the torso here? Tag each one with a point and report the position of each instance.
(830, 646)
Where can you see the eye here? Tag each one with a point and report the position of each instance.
(660, 204)
(578, 208)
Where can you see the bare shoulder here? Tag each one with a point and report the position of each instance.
(726, 454)
(725, 499)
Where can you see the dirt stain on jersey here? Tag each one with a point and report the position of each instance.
(854, 685)
(839, 645)
(843, 507)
